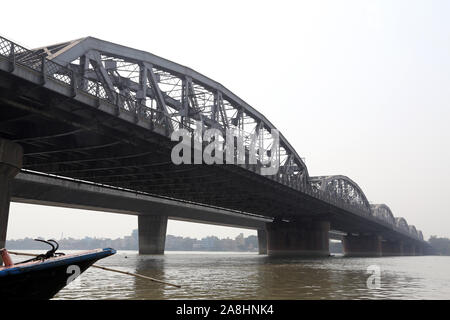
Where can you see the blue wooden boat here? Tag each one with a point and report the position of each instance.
(44, 276)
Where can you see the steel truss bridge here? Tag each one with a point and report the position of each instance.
(94, 111)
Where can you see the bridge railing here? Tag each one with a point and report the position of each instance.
(50, 70)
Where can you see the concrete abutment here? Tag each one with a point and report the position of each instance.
(262, 241)
(300, 238)
(11, 155)
(362, 245)
(391, 248)
(152, 234)
(371, 245)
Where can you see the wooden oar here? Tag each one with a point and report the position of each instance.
(107, 269)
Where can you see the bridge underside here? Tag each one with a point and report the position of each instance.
(62, 137)
(46, 190)
(306, 237)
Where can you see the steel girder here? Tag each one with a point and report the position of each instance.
(383, 212)
(419, 234)
(413, 231)
(343, 188)
(348, 191)
(178, 95)
(402, 224)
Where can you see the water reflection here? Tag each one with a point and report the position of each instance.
(150, 266)
(251, 276)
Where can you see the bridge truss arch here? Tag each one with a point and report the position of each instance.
(342, 188)
(402, 224)
(420, 235)
(413, 231)
(144, 84)
(383, 212)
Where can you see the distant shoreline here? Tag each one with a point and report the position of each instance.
(173, 243)
(177, 243)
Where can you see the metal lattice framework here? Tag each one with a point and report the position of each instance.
(383, 212)
(167, 95)
(171, 95)
(419, 234)
(413, 231)
(343, 188)
(402, 224)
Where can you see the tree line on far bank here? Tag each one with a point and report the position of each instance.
(175, 243)
(440, 245)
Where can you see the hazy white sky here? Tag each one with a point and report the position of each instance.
(359, 88)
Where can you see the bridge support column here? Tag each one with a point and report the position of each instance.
(11, 155)
(302, 238)
(262, 241)
(362, 246)
(392, 248)
(409, 249)
(152, 234)
(419, 250)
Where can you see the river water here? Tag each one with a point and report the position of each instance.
(229, 275)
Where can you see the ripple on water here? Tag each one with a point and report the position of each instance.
(251, 276)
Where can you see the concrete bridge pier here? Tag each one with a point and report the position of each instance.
(262, 241)
(362, 245)
(392, 248)
(409, 249)
(152, 234)
(419, 250)
(11, 155)
(300, 238)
